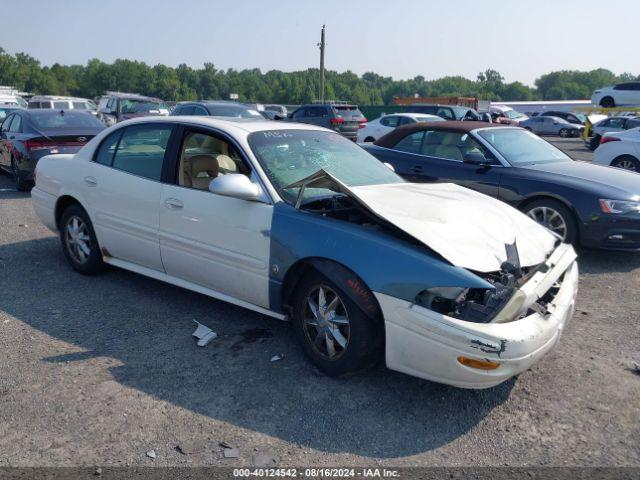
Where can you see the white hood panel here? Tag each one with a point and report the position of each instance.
(467, 228)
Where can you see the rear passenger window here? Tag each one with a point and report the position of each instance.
(411, 143)
(61, 105)
(107, 148)
(141, 150)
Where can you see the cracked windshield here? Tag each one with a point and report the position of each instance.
(288, 156)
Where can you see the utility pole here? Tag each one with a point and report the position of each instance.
(322, 45)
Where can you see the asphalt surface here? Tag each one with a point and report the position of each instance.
(101, 370)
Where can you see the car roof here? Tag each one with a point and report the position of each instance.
(248, 125)
(37, 98)
(132, 96)
(390, 139)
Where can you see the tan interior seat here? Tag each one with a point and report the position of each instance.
(226, 164)
(449, 148)
(200, 170)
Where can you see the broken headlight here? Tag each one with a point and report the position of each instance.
(502, 303)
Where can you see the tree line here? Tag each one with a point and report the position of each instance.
(252, 85)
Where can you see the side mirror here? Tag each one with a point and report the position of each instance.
(475, 158)
(235, 185)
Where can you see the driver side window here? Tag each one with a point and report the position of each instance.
(204, 157)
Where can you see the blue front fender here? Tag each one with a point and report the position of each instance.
(387, 264)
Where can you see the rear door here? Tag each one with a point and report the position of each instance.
(123, 187)
(218, 242)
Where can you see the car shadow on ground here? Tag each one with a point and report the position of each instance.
(146, 325)
(607, 261)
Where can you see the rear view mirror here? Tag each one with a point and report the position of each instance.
(235, 185)
(475, 158)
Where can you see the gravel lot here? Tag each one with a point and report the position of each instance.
(100, 370)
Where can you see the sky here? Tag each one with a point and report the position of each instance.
(397, 38)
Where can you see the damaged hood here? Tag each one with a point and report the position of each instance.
(467, 228)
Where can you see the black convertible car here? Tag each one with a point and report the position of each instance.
(584, 204)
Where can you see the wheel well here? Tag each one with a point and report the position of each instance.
(62, 204)
(535, 198)
(348, 280)
(369, 139)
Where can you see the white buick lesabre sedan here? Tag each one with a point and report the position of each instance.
(296, 222)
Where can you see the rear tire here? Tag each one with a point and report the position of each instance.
(79, 242)
(352, 345)
(555, 216)
(564, 133)
(21, 184)
(627, 162)
(607, 102)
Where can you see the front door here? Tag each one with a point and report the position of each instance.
(441, 160)
(218, 242)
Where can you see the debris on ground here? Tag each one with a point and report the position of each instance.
(278, 357)
(224, 444)
(635, 368)
(189, 447)
(231, 453)
(151, 454)
(204, 334)
(23, 225)
(98, 471)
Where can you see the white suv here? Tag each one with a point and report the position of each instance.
(62, 103)
(620, 94)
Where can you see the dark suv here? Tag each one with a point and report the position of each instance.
(216, 108)
(448, 112)
(343, 118)
(115, 107)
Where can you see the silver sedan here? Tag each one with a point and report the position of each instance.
(552, 126)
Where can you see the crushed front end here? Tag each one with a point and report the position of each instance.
(478, 338)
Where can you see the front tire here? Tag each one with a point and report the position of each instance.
(555, 216)
(564, 133)
(79, 242)
(337, 336)
(627, 162)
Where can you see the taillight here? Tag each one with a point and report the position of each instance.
(336, 121)
(604, 140)
(38, 145)
(363, 122)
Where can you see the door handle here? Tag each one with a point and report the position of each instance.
(173, 204)
(416, 169)
(91, 181)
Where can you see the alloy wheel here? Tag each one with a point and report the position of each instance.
(77, 239)
(626, 164)
(326, 323)
(549, 218)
